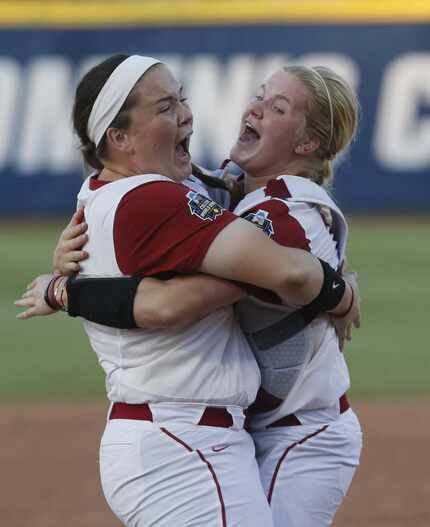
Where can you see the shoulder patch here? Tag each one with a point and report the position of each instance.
(203, 206)
(261, 220)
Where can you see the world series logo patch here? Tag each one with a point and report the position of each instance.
(203, 207)
(261, 220)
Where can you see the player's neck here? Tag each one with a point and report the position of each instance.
(255, 182)
(112, 172)
(260, 180)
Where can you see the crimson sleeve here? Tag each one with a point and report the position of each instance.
(165, 226)
(274, 218)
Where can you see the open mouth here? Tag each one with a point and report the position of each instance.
(182, 149)
(249, 134)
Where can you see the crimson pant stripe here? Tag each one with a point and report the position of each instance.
(176, 439)
(218, 487)
(210, 468)
(284, 455)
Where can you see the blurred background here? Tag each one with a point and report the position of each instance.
(51, 388)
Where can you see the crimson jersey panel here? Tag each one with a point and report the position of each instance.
(165, 226)
(274, 219)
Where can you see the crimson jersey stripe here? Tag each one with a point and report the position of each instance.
(277, 188)
(287, 231)
(96, 183)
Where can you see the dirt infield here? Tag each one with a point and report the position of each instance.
(48, 461)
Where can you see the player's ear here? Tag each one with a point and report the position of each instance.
(307, 146)
(118, 139)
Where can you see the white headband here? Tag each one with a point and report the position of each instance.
(323, 82)
(114, 93)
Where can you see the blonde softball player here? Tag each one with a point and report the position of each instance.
(308, 440)
(174, 451)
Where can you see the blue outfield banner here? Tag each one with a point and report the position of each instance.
(388, 167)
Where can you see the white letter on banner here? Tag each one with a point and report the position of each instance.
(218, 95)
(46, 142)
(175, 63)
(9, 88)
(267, 65)
(402, 139)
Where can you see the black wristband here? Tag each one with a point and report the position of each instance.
(107, 301)
(331, 293)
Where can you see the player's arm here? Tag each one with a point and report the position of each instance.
(181, 300)
(157, 304)
(243, 253)
(190, 233)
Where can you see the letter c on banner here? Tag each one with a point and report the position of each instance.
(402, 135)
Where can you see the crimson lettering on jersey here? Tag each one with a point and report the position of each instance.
(274, 218)
(162, 226)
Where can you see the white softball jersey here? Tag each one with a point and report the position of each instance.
(305, 469)
(308, 371)
(151, 224)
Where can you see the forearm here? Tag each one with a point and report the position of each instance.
(303, 281)
(244, 254)
(315, 281)
(148, 303)
(182, 300)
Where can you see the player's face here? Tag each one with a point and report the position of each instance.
(161, 126)
(271, 127)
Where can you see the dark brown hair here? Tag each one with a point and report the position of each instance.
(86, 94)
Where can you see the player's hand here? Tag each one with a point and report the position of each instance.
(33, 299)
(326, 215)
(68, 252)
(344, 325)
(234, 186)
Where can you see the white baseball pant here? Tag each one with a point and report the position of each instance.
(306, 470)
(171, 472)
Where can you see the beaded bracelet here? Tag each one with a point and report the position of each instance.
(51, 293)
(59, 287)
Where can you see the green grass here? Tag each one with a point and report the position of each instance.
(43, 358)
(389, 357)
